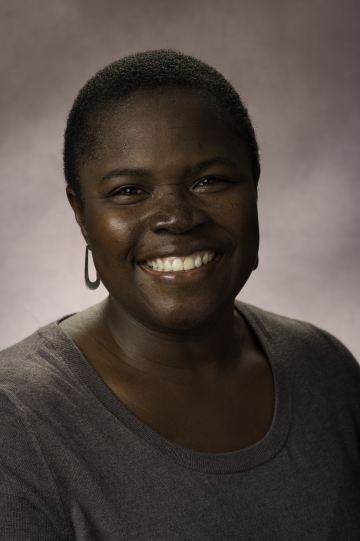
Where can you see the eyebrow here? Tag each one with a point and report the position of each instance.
(125, 173)
(221, 160)
(190, 170)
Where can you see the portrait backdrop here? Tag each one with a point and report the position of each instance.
(296, 65)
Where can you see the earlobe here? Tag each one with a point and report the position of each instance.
(78, 210)
(256, 182)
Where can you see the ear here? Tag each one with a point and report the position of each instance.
(78, 210)
(256, 179)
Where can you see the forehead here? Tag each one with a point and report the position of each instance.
(150, 115)
(159, 128)
(162, 103)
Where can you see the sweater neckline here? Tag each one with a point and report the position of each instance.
(216, 463)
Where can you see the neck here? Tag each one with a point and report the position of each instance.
(204, 352)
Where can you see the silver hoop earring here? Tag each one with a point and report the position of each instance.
(88, 282)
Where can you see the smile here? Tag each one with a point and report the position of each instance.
(181, 263)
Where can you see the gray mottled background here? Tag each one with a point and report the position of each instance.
(297, 65)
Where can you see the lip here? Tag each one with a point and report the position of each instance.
(194, 275)
(177, 252)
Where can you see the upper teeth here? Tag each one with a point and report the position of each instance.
(176, 264)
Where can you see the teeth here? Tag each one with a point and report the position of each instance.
(198, 261)
(160, 264)
(177, 264)
(189, 263)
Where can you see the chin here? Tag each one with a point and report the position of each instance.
(186, 324)
(189, 318)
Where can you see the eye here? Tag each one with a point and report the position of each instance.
(129, 190)
(126, 195)
(212, 184)
(208, 181)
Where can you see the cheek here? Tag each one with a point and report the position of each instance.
(112, 233)
(244, 227)
(239, 217)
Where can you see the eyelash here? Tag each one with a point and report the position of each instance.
(123, 190)
(211, 180)
(216, 179)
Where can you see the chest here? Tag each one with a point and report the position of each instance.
(227, 414)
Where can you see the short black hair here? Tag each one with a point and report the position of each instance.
(149, 70)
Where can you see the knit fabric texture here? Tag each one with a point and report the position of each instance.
(76, 464)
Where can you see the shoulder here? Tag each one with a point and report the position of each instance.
(33, 369)
(307, 350)
(23, 360)
(294, 333)
(322, 375)
(30, 502)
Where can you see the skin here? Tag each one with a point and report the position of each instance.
(170, 178)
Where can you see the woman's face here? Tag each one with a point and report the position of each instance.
(169, 181)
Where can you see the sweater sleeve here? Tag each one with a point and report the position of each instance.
(345, 370)
(30, 504)
(349, 363)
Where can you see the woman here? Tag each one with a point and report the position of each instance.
(167, 412)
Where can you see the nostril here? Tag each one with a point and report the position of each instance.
(176, 214)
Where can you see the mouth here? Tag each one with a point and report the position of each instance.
(181, 264)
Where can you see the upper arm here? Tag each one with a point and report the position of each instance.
(30, 504)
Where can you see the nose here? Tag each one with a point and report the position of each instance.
(175, 212)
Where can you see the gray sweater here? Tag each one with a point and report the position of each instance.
(76, 464)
